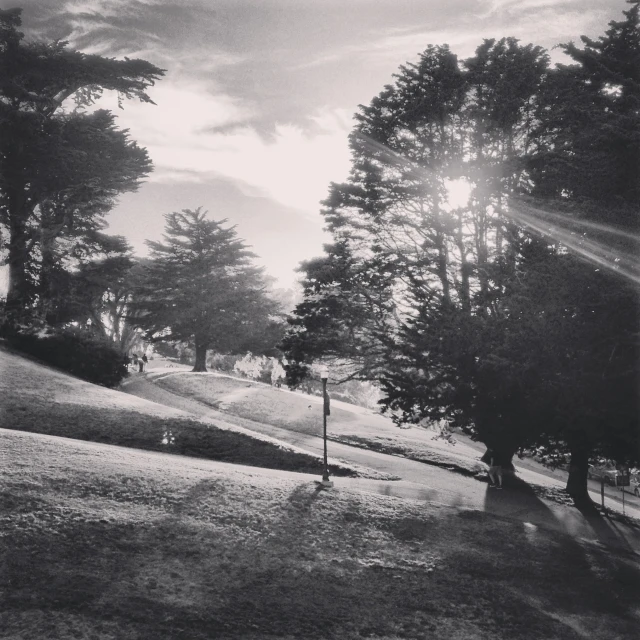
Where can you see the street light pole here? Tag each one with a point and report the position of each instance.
(324, 376)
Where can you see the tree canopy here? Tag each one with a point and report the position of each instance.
(200, 286)
(456, 277)
(60, 168)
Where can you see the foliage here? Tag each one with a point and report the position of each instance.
(201, 287)
(254, 367)
(589, 122)
(59, 169)
(584, 161)
(78, 352)
(222, 362)
(487, 310)
(411, 277)
(100, 292)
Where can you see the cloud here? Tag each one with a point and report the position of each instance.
(210, 119)
(520, 6)
(107, 8)
(193, 134)
(543, 22)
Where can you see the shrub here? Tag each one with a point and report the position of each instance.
(78, 352)
(253, 367)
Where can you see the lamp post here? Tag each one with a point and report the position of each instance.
(324, 376)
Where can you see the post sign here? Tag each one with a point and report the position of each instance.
(623, 480)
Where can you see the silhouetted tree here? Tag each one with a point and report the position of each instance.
(201, 287)
(413, 277)
(492, 313)
(57, 166)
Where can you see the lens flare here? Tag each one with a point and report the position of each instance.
(605, 246)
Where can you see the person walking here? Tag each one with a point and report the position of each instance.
(495, 470)
(144, 361)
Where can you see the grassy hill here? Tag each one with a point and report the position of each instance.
(40, 399)
(102, 542)
(109, 542)
(300, 412)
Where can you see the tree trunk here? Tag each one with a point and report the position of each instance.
(578, 469)
(201, 356)
(47, 300)
(18, 295)
(465, 267)
(443, 256)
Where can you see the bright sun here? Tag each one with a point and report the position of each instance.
(458, 192)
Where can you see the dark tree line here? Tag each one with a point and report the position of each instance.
(512, 313)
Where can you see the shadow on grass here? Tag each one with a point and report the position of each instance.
(516, 497)
(607, 528)
(306, 571)
(432, 458)
(520, 500)
(423, 493)
(181, 436)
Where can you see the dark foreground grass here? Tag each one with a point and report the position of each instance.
(137, 546)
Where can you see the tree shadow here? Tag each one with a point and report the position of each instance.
(319, 572)
(519, 500)
(609, 528)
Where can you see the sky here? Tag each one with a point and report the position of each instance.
(252, 118)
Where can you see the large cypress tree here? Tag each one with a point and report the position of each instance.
(412, 280)
(511, 313)
(585, 166)
(58, 169)
(200, 286)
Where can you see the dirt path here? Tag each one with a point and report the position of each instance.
(420, 481)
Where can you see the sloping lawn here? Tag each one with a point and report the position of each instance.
(254, 401)
(299, 412)
(136, 546)
(40, 399)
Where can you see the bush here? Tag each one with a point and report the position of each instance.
(221, 362)
(78, 352)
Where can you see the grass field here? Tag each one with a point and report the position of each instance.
(42, 400)
(298, 412)
(101, 542)
(106, 542)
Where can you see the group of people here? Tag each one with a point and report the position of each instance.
(137, 361)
